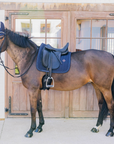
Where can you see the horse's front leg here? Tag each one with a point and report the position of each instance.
(33, 96)
(39, 109)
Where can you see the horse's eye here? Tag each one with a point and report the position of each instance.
(1, 37)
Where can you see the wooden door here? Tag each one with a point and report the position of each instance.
(89, 30)
(83, 102)
(39, 26)
(84, 30)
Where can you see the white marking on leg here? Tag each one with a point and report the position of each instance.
(97, 127)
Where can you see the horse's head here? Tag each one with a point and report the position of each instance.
(3, 43)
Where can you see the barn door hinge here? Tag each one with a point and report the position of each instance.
(111, 14)
(15, 114)
(6, 18)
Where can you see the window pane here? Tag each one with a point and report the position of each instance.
(38, 28)
(38, 41)
(110, 45)
(56, 43)
(83, 28)
(83, 44)
(22, 25)
(99, 44)
(98, 28)
(53, 28)
(110, 33)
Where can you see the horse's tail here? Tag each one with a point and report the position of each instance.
(112, 89)
(105, 109)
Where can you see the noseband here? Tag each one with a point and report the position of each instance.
(1, 61)
(4, 36)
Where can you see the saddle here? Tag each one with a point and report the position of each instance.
(51, 59)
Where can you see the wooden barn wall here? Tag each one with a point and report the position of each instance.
(77, 103)
(58, 6)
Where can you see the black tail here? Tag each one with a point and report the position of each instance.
(112, 89)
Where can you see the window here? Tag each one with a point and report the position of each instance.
(110, 35)
(95, 34)
(41, 31)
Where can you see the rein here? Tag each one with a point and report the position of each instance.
(2, 64)
(6, 68)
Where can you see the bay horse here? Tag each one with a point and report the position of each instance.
(93, 66)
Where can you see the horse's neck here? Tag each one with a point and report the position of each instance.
(21, 56)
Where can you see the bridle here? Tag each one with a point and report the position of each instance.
(4, 36)
(5, 67)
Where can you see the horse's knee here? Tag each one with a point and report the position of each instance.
(33, 111)
(39, 105)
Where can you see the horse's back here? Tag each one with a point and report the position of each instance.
(93, 56)
(99, 57)
(100, 66)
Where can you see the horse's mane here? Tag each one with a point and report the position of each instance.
(19, 40)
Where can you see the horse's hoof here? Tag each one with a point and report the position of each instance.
(28, 135)
(95, 130)
(109, 134)
(39, 130)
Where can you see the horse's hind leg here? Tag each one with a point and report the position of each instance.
(103, 110)
(110, 103)
(33, 95)
(39, 109)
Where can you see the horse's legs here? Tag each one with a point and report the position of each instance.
(103, 110)
(39, 109)
(110, 103)
(33, 96)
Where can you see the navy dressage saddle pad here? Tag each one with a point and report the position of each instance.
(63, 67)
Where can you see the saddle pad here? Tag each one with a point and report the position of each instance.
(63, 68)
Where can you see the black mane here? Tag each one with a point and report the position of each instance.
(19, 40)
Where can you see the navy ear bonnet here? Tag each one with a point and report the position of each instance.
(2, 29)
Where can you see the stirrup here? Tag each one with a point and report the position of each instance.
(52, 82)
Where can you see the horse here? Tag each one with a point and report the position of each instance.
(93, 66)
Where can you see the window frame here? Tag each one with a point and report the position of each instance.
(63, 16)
(91, 16)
